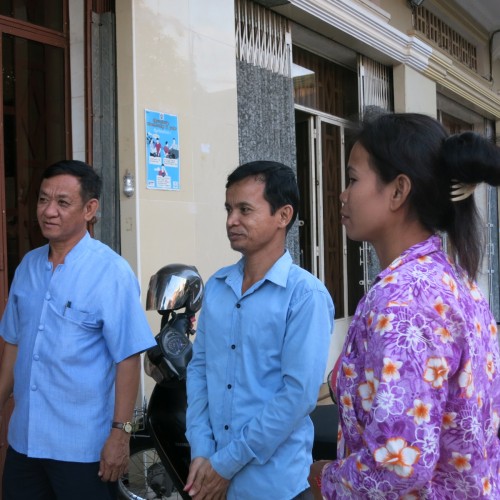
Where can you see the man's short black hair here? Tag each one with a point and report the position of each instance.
(90, 182)
(280, 184)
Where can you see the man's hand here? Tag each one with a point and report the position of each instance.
(315, 478)
(203, 482)
(114, 456)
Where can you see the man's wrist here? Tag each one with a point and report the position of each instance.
(127, 427)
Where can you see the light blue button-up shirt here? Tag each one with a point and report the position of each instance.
(71, 327)
(259, 360)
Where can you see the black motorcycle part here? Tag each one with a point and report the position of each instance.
(167, 427)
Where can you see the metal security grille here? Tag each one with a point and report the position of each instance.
(446, 38)
(263, 38)
(375, 96)
(375, 85)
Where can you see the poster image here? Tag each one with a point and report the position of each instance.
(162, 151)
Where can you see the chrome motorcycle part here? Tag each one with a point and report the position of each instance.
(175, 286)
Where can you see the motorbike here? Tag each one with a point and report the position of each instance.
(159, 451)
(160, 454)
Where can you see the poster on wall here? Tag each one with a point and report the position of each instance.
(162, 151)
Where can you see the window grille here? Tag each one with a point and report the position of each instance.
(376, 85)
(262, 37)
(375, 97)
(446, 38)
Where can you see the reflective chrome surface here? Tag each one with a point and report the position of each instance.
(173, 287)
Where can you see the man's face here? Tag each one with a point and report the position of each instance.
(61, 212)
(250, 226)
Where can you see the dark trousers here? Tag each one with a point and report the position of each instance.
(27, 478)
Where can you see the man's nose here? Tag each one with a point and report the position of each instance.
(50, 208)
(232, 219)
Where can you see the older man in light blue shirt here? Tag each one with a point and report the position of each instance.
(74, 328)
(260, 352)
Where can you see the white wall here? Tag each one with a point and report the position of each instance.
(77, 69)
(177, 57)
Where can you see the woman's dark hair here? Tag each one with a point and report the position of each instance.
(90, 182)
(280, 184)
(419, 147)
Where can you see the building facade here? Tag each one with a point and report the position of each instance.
(166, 97)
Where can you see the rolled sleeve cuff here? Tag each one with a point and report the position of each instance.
(228, 461)
(204, 448)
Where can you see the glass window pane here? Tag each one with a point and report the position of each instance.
(46, 13)
(323, 85)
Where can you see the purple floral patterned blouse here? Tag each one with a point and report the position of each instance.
(419, 387)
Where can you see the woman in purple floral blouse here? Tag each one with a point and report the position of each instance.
(418, 384)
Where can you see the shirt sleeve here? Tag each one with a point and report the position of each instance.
(402, 392)
(126, 329)
(303, 365)
(9, 326)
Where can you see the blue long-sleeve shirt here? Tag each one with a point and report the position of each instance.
(259, 360)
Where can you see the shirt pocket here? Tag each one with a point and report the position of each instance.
(82, 319)
(72, 332)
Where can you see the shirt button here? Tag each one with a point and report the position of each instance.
(229, 386)
(47, 296)
(36, 357)
(233, 347)
(41, 327)
(238, 305)
(226, 427)
(34, 387)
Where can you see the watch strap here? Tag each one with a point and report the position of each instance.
(124, 426)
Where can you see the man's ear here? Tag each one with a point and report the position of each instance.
(401, 191)
(285, 214)
(91, 208)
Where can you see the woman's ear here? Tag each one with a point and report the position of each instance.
(401, 191)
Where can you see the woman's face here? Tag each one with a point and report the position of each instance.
(365, 211)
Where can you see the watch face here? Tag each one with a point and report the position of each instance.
(127, 427)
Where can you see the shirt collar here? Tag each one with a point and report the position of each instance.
(277, 274)
(417, 251)
(79, 249)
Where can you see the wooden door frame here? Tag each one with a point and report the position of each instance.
(45, 36)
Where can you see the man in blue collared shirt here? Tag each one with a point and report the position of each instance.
(74, 328)
(260, 351)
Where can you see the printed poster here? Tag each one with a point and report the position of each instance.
(162, 151)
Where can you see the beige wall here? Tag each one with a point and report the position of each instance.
(413, 92)
(177, 57)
